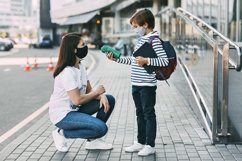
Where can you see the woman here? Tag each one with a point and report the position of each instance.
(73, 100)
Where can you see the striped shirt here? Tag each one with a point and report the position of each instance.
(139, 76)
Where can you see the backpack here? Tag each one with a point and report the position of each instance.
(164, 73)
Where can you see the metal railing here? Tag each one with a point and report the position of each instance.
(221, 45)
(210, 33)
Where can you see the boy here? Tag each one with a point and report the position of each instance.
(144, 84)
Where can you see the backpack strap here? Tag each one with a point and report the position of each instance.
(151, 38)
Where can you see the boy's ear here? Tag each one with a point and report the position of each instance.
(145, 25)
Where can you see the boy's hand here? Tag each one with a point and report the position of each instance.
(107, 49)
(141, 60)
(110, 56)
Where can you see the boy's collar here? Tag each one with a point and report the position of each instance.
(151, 33)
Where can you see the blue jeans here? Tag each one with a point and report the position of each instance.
(80, 124)
(144, 99)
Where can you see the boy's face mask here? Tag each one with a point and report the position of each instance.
(81, 52)
(140, 31)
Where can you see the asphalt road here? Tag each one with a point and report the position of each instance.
(22, 93)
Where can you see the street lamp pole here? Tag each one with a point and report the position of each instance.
(237, 20)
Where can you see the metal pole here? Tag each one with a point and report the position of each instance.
(197, 8)
(203, 10)
(224, 109)
(210, 11)
(188, 6)
(156, 7)
(219, 17)
(215, 94)
(192, 6)
(177, 29)
(237, 20)
(117, 22)
(226, 17)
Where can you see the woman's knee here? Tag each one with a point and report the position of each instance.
(101, 130)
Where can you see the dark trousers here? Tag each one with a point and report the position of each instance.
(93, 107)
(145, 98)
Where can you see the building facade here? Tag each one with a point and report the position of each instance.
(80, 16)
(103, 19)
(19, 19)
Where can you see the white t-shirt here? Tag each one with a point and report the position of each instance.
(69, 79)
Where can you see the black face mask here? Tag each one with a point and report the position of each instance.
(81, 52)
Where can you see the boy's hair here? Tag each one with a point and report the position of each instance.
(143, 16)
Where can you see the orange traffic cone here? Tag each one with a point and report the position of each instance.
(50, 66)
(35, 65)
(27, 66)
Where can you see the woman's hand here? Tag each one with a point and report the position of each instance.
(104, 102)
(110, 56)
(100, 90)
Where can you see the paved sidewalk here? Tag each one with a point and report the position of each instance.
(179, 134)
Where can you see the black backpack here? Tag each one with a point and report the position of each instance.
(164, 73)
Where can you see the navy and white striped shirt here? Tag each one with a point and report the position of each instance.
(139, 76)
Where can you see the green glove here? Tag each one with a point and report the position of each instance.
(107, 49)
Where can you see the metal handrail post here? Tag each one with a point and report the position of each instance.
(224, 108)
(215, 94)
